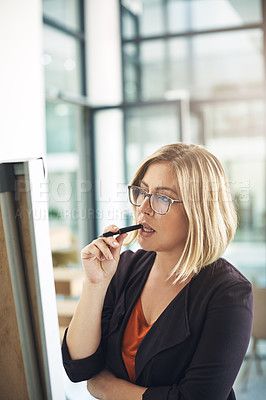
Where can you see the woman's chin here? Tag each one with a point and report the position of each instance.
(145, 245)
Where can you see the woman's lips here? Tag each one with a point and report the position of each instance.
(146, 230)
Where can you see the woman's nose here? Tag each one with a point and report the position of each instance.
(146, 207)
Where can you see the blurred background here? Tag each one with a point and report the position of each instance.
(94, 86)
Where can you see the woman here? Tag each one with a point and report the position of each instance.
(172, 320)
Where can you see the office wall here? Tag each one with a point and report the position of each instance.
(22, 132)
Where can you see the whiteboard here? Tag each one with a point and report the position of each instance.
(30, 356)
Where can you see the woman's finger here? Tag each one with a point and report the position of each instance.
(104, 248)
(90, 251)
(111, 228)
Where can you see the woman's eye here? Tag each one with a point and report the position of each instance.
(163, 198)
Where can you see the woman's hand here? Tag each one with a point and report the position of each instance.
(99, 385)
(106, 386)
(101, 256)
(99, 259)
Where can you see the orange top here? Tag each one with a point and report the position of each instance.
(136, 329)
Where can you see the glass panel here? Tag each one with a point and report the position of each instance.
(147, 129)
(63, 123)
(66, 207)
(196, 127)
(131, 68)
(61, 60)
(65, 12)
(62, 199)
(235, 132)
(174, 16)
(238, 119)
(206, 65)
(64, 216)
(227, 63)
(153, 69)
(151, 20)
(128, 25)
(195, 14)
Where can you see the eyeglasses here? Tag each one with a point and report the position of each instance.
(158, 202)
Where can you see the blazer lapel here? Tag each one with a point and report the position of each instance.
(170, 329)
(121, 315)
(128, 295)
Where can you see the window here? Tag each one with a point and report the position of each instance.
(144, 128)
(62, 59)
(69, 173)
(65, 12)
(160, 17)
(155, 67)
(174, 46)
(235, 132)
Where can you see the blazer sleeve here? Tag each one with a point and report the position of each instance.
(86, 368)
(220, 351)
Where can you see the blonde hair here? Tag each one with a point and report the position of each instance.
(207, 202)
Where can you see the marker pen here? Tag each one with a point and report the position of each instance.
(122, 230)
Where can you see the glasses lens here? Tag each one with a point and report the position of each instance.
(159, 203)
(136, 195)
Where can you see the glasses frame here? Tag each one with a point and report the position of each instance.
(149, 195)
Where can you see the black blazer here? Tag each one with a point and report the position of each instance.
(195, 348)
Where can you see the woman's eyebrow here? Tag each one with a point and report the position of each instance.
(160, 188)
(166, 188)
(143, 183)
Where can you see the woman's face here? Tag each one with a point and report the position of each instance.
(162, 233)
